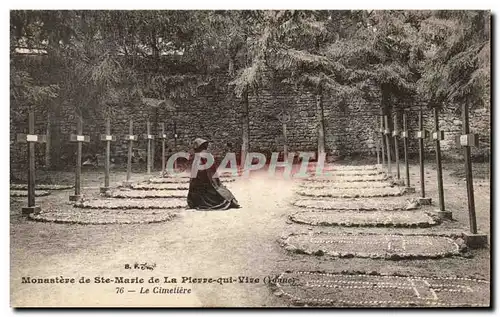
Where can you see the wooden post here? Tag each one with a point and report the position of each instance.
(131, 137)
(387, 133)
(285, 147)
(438, 136)
(377, 149)
(421, 154)
(78, 138)
(405, 146)
(31, 161)
(175, 143)
(395, 135)
(468, 170)
(421, 135)
(108, 138)
(382, 145)
(31, 138)
(150, 139)
(163, 138)
(472, 239)
(377, 143)
(48, 143)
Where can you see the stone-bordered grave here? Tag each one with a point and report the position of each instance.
(73, 215)
(24, 193)
(132, 203)
(375, 246)
(160, 186)
(184, 178)
(348, 178)
(41, 187)
(344, 185)
(380, 203)
(137, 203)
(333, 167)
(375, 290)
(400, 218)
(351, 192)
(151, 193)
(349, 173)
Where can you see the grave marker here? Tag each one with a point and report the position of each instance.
(438, 135)
(395, 135)
(131, 138)
(150, 139)
(31, 138)
(472, 239)
(175, 142)
(387, 133)
(175, 136)
(382, 145)
(404, 135)
(421, 135)
(163, 137)
(79, 138)
(377, 143)
(108, 138)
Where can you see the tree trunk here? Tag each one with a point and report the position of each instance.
(386, 109)
(320, 122)
(245, 128)
(155, 134)
(56, 136)
(47, 144)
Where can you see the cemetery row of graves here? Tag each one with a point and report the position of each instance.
(360, 196)
(379, 196)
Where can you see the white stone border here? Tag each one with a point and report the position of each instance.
(380, 302)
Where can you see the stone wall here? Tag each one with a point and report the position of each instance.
(216, 114)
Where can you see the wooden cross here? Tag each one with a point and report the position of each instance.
(421, 135)
(467, 140)
(437, 136)
(163, 137)
(108, 138)
(382, 145)
(79, 138)
(31, 138)
(150, 139)
(387, 133)
(377, 143)
(404, 135)
(395, 135)
(175, 136)
(131, 137)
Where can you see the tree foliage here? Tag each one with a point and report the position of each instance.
(98, 58)
(458, 48)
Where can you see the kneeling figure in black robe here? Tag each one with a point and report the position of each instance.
(205, 190)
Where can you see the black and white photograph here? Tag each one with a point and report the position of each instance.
(250, 158)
